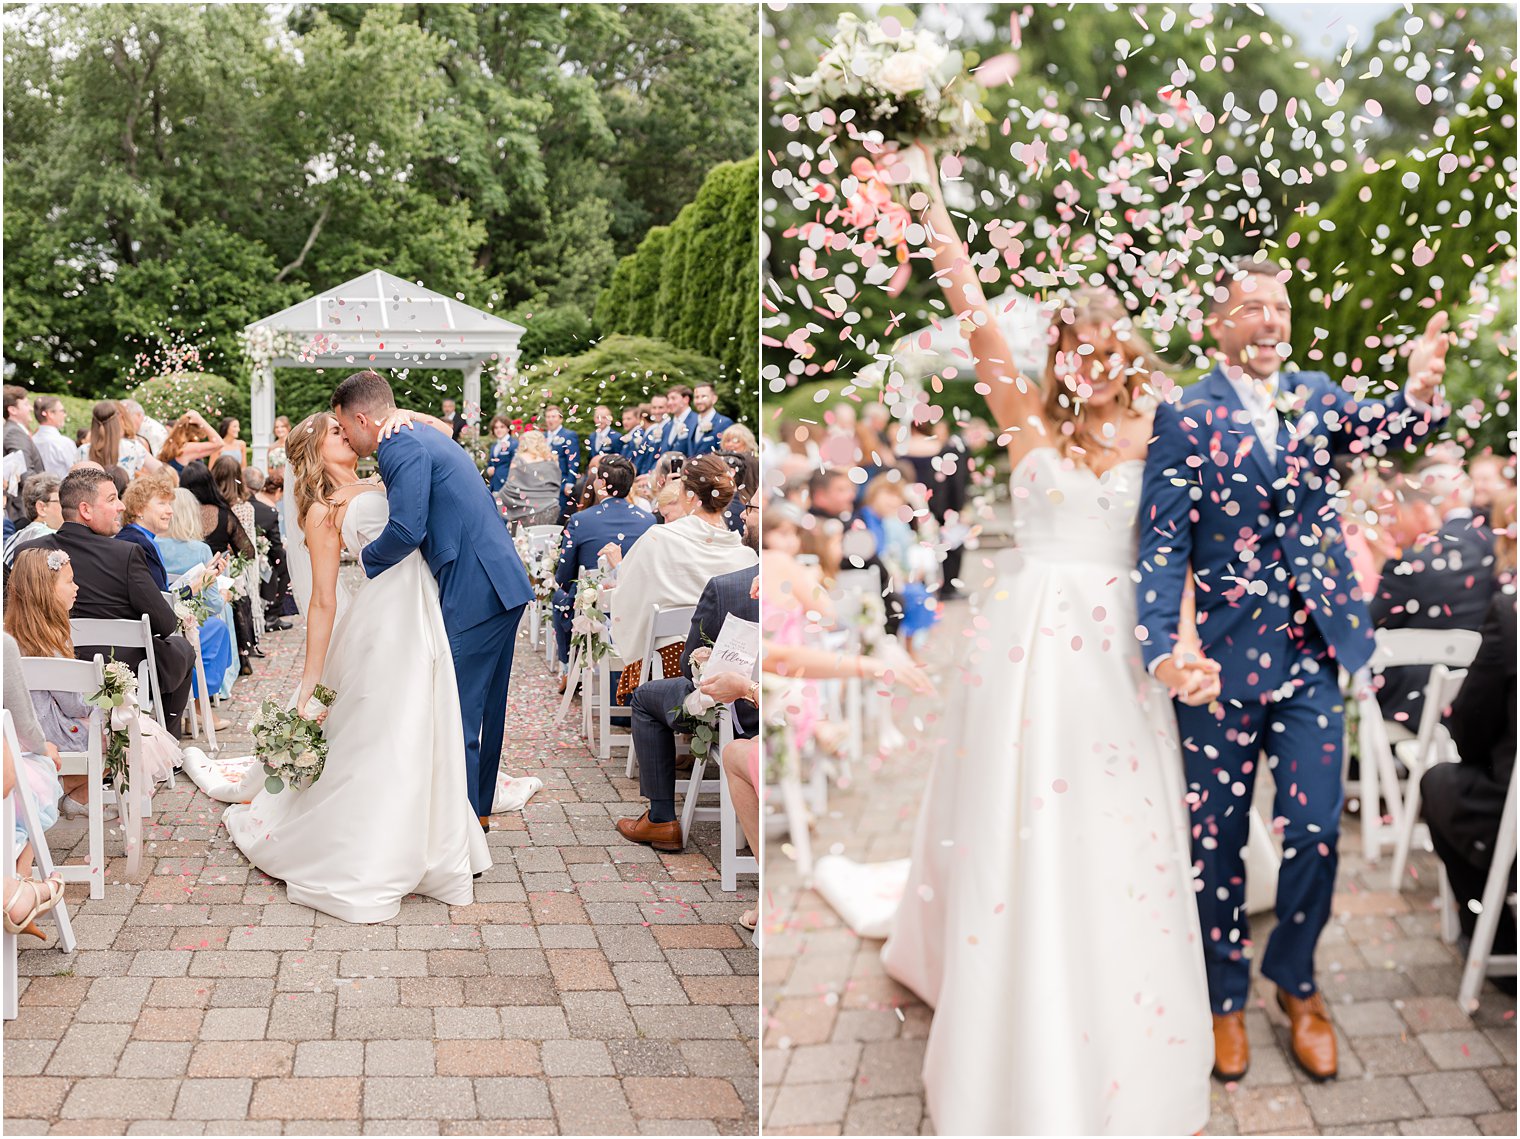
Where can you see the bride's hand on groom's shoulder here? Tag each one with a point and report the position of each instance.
(395, 421)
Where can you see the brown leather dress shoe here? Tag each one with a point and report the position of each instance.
(485, 822)
(661, 836)
(1232, 1051)
(1313, 1034)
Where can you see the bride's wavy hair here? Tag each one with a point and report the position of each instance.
(1092, 307)
(303, 455)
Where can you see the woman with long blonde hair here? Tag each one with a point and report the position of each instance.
(389, 814)
(1075, 823)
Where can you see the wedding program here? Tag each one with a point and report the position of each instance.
(759, 568)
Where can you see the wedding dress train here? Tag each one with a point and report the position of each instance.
(390, 815)
(1049, 915)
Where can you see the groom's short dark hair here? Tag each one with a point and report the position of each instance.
(366, 391)
(616, 473)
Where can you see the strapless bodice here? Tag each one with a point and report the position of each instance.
(1063, 512)
(364, 519)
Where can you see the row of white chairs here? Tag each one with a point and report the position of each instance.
(603, 724)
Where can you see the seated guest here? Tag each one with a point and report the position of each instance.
(710, 423)
(39, 506)
(182, 549)
(612, 521)
(531, 496)
(658, 707)
(667, 466)
(150, 495)
(1463, 802)
(588, 490)
(671, 565)
(38, 763)
(672, 502)
(503, 448)
(26, 899)
(43, 590)
(116, 584)
(267, 491)
(1444, 582)
(746, 470)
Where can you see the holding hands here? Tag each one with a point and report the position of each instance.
(1192, 677)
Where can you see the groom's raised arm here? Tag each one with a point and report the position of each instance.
(1166, 535)
(408, 475)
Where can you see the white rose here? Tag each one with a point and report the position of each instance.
(903, 74)
(306, 759)
(698, 702)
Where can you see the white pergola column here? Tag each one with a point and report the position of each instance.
(472, 393)
(261, 398)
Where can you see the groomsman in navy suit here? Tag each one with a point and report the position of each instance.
(683, 419)
(604, 440)
(1239, 500)
(656, 436)
(708, 422)
(566, 445)
(612, 520)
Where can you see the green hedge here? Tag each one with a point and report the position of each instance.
(168, 397)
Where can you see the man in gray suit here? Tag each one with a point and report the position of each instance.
(657, 714)
(18, 437)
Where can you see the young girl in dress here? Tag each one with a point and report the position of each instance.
(42, 591)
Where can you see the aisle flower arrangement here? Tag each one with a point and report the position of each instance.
(117, 698)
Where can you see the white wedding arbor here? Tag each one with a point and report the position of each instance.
(376, 321)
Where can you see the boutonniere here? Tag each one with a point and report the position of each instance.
(1290, 403)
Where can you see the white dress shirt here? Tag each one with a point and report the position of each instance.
(56, 451)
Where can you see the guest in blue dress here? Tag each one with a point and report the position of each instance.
(182, 549)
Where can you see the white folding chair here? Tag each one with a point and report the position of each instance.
(205, 697)
(1379, 779)
(1481, 961)
(122, 633)
(20, 801)
(664, 624)
(83, 677)
(730, 834)
(1433, 745)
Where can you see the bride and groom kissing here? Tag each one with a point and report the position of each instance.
(1075, 909)
(419, 655)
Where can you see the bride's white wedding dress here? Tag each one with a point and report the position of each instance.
(1049, 914)
(390, 815)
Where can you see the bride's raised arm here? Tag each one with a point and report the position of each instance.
(325, 545)
(1014, 400)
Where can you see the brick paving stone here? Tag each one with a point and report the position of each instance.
(1454, 1093)
(512, 1097)
(591, 1105)
(658, 1097)
(891, 1115)
(202, 1001)
(488, 1057)
(1363, 1101)
(296, 1097)
(562, 1058)
(1499, 1123)
(798, 1105)
(213, 1099)
(1470, 1049)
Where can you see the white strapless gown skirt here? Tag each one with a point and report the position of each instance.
(390, 815)
(1049, 915)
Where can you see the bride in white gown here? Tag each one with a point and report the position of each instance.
(1049, 915)
(390, 815)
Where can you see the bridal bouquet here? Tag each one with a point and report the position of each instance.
(117, 697)
(703, 711)
(292, 748)
(588, 626)
(237, 574)
(188, 613)
(910, 86)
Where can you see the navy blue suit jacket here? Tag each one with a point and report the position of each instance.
(135, 534)
(1248, 528)
(612, 445)
(709, 440)
(439, 505)
(611, 520)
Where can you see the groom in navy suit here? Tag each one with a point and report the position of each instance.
(439, 504)
(1239, 496)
